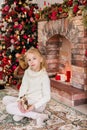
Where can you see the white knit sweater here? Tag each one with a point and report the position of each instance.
(36, 87)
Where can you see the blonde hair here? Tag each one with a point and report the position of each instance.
(35, 51)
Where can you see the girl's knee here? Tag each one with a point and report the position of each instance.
(12, 108)
(8, 109)
(5, 100)
(9, 99)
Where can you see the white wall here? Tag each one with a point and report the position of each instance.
(1, 1)
(40, 2)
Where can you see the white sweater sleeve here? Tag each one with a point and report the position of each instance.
(46, 92)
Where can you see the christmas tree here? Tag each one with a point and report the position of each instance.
(18, 32)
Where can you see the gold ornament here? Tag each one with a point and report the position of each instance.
(20, 2)
(0, 47)
(10, 56)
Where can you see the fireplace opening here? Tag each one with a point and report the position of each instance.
(58, 57)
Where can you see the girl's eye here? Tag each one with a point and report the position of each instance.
(29, 59)
(34, 58)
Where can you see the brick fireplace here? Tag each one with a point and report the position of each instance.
(65, 40)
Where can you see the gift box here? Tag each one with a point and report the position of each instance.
(61, 77)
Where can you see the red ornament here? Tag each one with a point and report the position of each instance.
(31, 39)
(23, 50)
(20, 26)
(70, 3)
(60, 10)
(25, 36)
(6, 8)
(30, 13)
(5, 60)
(54, 15)
(14, 67)
(14, 82)
(75, 8)
(37, 16)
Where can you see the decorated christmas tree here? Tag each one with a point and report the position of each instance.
(18, 32)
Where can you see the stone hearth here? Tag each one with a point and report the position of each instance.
(65, 38)
(68, 94)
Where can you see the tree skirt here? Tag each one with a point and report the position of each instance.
(61, 117)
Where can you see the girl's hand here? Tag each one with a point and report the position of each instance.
(31, 108)
(21, 108)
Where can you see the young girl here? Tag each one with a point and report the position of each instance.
(35, 87)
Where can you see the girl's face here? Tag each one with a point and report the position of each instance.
(34, 61)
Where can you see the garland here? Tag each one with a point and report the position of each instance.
(69, 8)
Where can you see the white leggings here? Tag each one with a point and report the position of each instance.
(12, 108)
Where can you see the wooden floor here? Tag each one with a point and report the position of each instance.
(67, 93)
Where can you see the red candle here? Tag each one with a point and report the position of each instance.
(68, 76)
(58, 77)
(44, 3)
